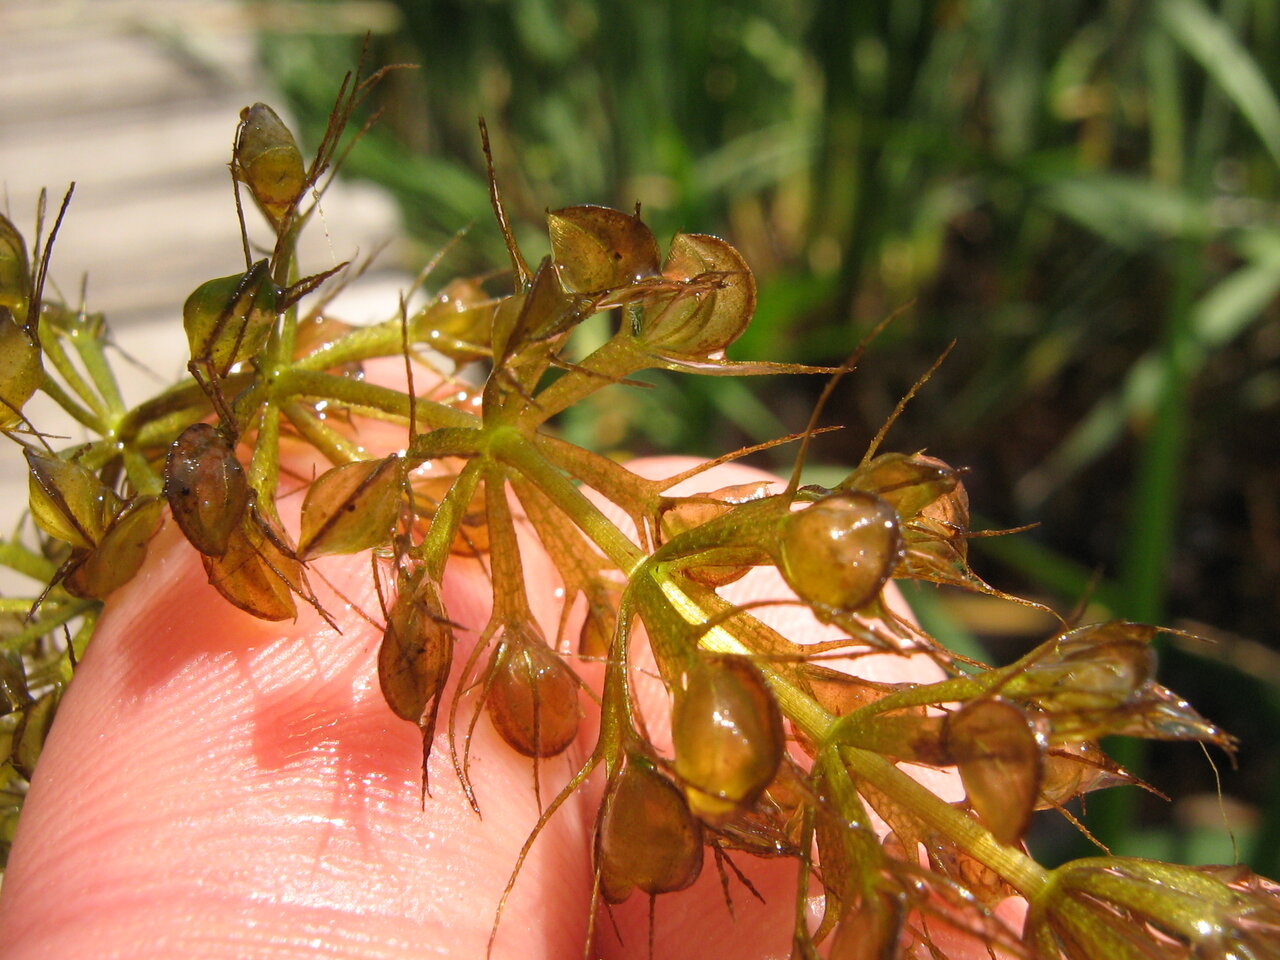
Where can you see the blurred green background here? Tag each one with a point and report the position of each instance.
(1082, 194)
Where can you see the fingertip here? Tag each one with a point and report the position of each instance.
(219, 786)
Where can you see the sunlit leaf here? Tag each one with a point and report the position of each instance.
(596, 248)
(1215, 42)
(351, 507)
(974, 876)
(119, 555)
(67, 501)
(839, 692)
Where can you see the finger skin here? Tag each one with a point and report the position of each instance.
(217, 786)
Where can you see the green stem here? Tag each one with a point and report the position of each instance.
(364, 343)
(510, 603)
(92, 355)
(1020, 870)
(264, 466)
(161, 431)
(144, 478)
(514, 448)
(615, 359)
(448, 517)
(26, 562)
(66, 369)
(60, 615)
(67, 403)
(295, 382)
(332, 445)
(186, 400)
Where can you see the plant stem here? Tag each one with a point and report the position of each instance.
(67, 403)
(295, 382)
(89, 348)
(52, 347)
(514, 448)
(26, 562)
(1020, 870)
(332, 445)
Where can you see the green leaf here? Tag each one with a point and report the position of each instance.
(20, 368)
(1214, 44)
(351, 508)
(114, 561)
(67, 501)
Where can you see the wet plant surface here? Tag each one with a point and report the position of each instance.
(776, 749)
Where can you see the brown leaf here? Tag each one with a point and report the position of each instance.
(352, 507)
(205, 487)
(255, 574)
(999, 759)
(596, 248)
